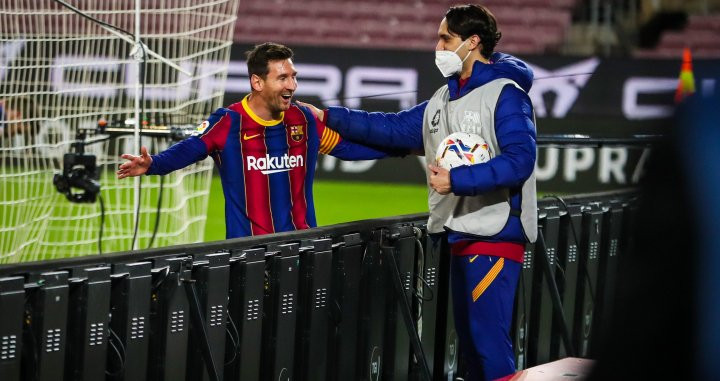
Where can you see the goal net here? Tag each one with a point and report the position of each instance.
(60, 72)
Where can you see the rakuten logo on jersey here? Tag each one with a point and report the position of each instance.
(273, 164)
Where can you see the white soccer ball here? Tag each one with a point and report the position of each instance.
(462, 148)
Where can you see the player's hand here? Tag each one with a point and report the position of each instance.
(439, 179)
(320, 114)
(135, 165)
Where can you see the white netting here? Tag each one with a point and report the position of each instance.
(59, 72)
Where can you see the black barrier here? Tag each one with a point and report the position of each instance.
(589, 266)
(281, 298)
(372, 311)
(567, 279)
(12, 300)
(247, 282)
(397, 342)
(428, 263)
(130, 313)
(539, 344)
(169, 320)
(46, 321)
(446, 356)
(345, 307)
(608, 266)
(88, 322)
(361, 301)
(210, 274)
(314, 311)
(522, 310)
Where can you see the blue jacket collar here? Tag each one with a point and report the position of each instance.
(502, 66)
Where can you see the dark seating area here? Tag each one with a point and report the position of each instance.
(528, 26)
(700, 35)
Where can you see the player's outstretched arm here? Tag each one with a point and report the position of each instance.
(401, 130)
(135, 165)
(331, 143)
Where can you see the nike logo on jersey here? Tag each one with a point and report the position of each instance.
(248, 137)
(270, 164)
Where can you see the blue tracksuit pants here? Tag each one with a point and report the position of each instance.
(483, 292)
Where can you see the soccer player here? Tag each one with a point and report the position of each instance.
(487, 211)
(265, 148)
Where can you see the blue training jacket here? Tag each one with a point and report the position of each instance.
(514, 128)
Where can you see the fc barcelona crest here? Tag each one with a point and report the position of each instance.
(296, 132)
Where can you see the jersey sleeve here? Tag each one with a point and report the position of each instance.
(401, 130)
(209, 137)
(515, 132)
(214, 131)
(331, 143)
(178, 156)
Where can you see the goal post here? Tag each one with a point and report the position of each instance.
(60, 72)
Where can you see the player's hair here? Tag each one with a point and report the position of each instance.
(470, 19)
(260, 55)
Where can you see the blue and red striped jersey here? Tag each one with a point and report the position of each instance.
(266, 167)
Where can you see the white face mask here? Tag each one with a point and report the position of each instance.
(448, 62)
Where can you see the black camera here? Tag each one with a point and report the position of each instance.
(79, 172)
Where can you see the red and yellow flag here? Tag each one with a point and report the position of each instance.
(686, 82)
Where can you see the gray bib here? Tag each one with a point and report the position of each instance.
(485, 214)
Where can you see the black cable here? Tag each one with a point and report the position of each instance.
(117, 352)
(393, 272)
(561, 76)
(586, 273)
(567, 210)
(326, 101)
(200, 334)
(157, 212)
(418, 290)
(120, 353)
(159, 282)
(234, 344)
(234, 338)
(421, 295)
(561, 269)
(120, 343)
(555, 296)
(102, 223)
(93, 19)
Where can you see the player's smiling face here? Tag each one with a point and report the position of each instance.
(279, 86)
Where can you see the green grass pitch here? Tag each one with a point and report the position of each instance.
(336, 202)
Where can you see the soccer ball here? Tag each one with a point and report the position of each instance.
(462, 148)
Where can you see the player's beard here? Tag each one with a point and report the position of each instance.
(275, 104)
(280, 105)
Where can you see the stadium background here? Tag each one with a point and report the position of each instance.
(606, 67)
(612, 68)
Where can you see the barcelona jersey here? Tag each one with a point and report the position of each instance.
(266, 167)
